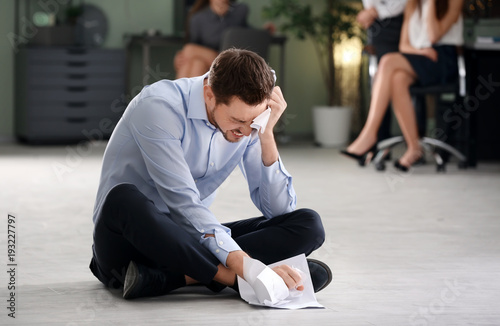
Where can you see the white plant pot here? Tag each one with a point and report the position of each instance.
(331, 125)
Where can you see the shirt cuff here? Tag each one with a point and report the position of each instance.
(275, 172)
(220, 245)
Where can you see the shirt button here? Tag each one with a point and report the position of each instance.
(221, 243)
(202, 231)
(212, 163)
(277, 171)
(217, 251)
(208, 124)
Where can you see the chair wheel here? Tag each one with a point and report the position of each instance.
(441, 168)
(380, 166)
(462, 165)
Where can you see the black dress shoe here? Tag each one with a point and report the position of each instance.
(142, 281)
(321, 275)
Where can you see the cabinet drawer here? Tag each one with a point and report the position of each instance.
(68, 68)
(74, 94)
(75, 109)
(88, 56)
(76, 79)
(68, 129)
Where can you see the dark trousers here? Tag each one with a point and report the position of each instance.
(130, 227)
(384, 36)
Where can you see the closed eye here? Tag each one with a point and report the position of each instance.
(238, 121)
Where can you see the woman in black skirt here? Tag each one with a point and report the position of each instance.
(432, 29)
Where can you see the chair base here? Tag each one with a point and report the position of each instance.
(428, 144)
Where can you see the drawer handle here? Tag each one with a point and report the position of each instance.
(77, 76)
(76, 63)
(76, 120)
(76, 104)
(77, 51)
(76, 88)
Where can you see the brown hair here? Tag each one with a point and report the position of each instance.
(441, 8)
(240, 73)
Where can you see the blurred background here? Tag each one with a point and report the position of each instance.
(121, 25)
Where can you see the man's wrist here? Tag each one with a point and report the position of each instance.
(234, 261)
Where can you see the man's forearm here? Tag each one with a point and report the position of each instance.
(270, 152)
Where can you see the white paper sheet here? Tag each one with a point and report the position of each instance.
(268, 290)
(260, 123)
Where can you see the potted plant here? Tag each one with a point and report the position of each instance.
(325, 29)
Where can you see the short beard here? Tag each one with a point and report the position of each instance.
(227, 138)
(225, 134)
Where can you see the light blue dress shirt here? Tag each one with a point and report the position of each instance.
(166, 147)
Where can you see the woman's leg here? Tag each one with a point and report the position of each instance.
(382, 94)
(197, 67)
(405, 113)
(194, 60)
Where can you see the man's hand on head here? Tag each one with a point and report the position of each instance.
(278, 105)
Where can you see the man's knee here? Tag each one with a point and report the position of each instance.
(120, 196)
(121, 193)
(313, 227)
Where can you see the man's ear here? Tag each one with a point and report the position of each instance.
(209, 96)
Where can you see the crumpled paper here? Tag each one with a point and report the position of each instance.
(263, 287)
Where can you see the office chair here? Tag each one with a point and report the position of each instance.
(438, 147)
(256, 40)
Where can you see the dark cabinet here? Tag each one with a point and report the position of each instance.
(68, 94)
(482, 105)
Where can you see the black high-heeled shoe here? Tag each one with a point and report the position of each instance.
(364, 158)
(403, 168)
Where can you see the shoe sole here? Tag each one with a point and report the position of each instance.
(130, 280)
(328, 271)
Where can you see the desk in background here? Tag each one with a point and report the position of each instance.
(483, 88)
(146, 42)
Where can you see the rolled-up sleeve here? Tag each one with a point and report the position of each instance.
(158, 129)
(271, 187)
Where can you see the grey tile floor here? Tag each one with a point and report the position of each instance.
(406, 249)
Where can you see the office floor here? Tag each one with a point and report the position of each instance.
(405, 249)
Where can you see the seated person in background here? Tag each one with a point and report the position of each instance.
(207, 20)
(431, 32)
(382, 20)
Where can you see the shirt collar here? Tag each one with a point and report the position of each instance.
(196, 106)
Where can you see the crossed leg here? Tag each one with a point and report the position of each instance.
(392, 84)
(193, 60)
(132, 228)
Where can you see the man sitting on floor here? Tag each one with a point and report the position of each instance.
(174, 146)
